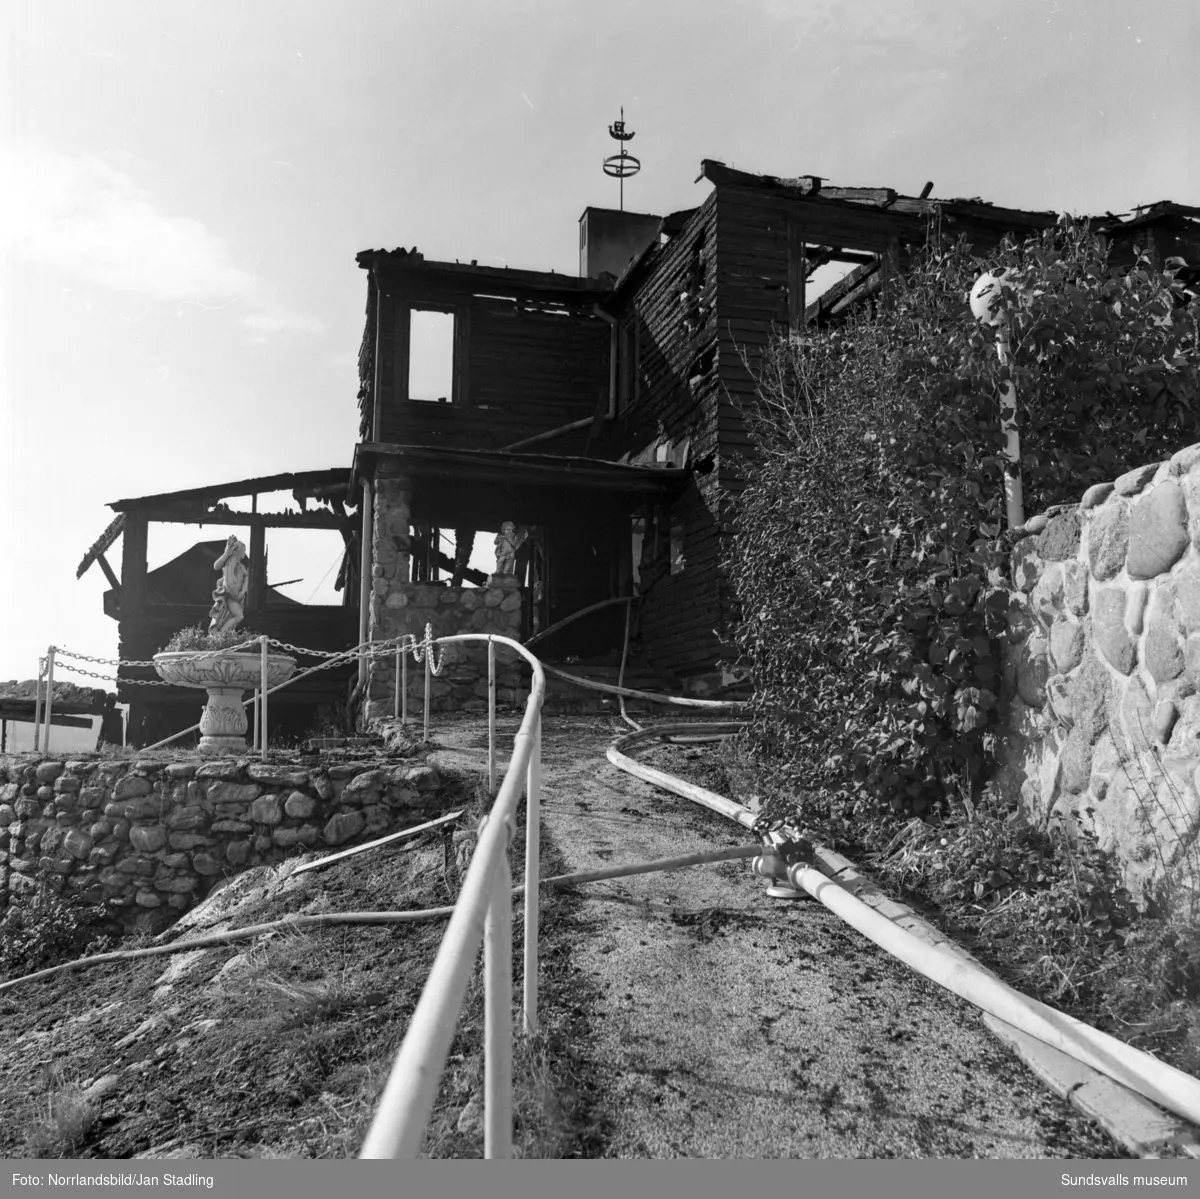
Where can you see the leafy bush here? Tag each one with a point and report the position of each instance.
(196, 638)
(51, 931)
(870, 560)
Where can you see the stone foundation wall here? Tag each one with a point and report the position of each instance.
(149, 839)
(462, 684)
(399, 607)
(1100, 712)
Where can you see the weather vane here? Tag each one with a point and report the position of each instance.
(621, 166)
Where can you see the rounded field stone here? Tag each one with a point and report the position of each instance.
(343, 826)
(1158, 532)
(1066, 645)
(1107, 540)
(1108, 619)
(299, 805)
(1163, 652)
(131, 786)
(1060, 539)
(267, 809)
(147, 838)
(1132, 481)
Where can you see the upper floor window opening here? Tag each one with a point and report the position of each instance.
(431, 355)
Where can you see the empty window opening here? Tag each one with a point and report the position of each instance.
(431, 356)
(678, 562)
(629, 347)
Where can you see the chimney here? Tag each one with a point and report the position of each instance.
(610, 239)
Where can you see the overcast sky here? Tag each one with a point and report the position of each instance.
(183, 188)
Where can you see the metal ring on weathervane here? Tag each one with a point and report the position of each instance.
(622, 166)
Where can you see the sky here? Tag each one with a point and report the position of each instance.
(183, 189)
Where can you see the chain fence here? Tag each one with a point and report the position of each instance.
(369, 649)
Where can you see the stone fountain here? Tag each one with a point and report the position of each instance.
(225, 674)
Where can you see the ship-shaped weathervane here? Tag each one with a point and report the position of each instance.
(621, 166)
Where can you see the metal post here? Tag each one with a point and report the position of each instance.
(396, 700)
(404, 682)
(497, 1042)
(37, 703)
(491, 717)
(262, 731)
(254, 726)
(533, 797)
(428, 677)
(1014, 498)
(984, 295)
(49, 693)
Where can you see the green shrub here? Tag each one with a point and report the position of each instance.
(196, 637)
(870, 560)
(51, 931)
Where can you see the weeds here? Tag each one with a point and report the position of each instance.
(71, 1114)
(49, 931)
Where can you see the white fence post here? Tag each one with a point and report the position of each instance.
(254, 726)
(49, 694)
(491, 717)
(497, 1043)
(262, 731)
(533, 844)
(37, 703)
(428, 677)
(404, 681)
(396, 698)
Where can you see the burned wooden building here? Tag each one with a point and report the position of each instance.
(603, 413)
(151, 605)
(593, 422)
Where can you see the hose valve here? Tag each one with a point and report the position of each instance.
(780, 854)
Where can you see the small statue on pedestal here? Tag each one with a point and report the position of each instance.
(508, 541)
(230, 596)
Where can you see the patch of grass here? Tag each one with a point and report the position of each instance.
(70, 1115)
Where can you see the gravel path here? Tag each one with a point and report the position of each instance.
(732, 1025)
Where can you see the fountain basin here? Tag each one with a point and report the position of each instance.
(226, 676)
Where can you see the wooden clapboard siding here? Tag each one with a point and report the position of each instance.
(677, 396)
(519, 371)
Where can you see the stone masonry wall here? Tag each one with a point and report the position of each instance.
(150, 838)
(1100, 712)
(462, 684)
(399, 607)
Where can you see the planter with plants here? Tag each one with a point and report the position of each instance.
(225, 660)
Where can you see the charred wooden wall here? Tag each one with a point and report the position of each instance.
(669, 331)
(522, 366)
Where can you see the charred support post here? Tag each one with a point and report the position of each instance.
(133, 565)
(797, 275)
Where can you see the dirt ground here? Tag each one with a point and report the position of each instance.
(728, 1024)
(684, 1014)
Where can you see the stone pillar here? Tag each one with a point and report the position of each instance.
(390, 563)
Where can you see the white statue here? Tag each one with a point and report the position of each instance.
(508, 541)
(230, 596)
